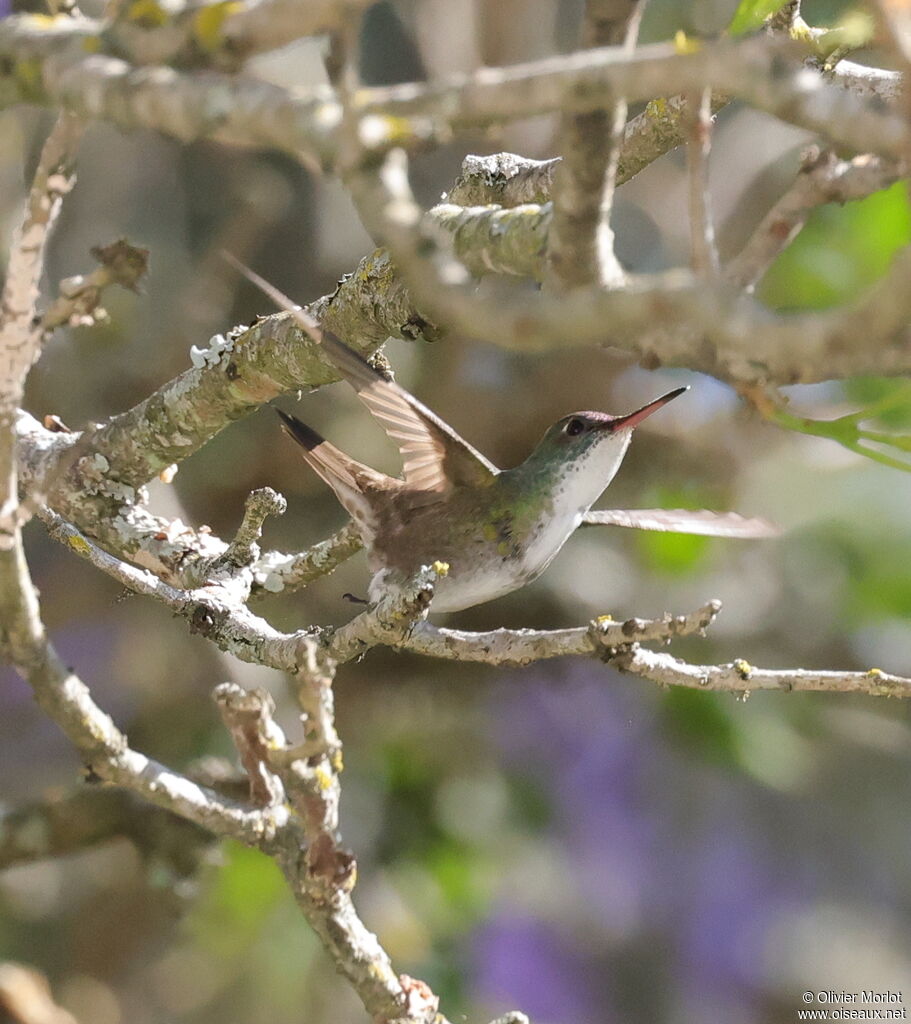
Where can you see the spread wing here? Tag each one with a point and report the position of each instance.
(435, 457)
(681, 520)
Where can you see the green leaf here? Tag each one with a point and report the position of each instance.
(885, 400)
(751, 14)
(847, 431)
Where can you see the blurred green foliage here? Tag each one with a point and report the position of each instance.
(751, 14)
(675, 554)
(840, 252)
(239, 901)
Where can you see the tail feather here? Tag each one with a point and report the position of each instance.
(305, 436)
(348, 478)
(331, 463)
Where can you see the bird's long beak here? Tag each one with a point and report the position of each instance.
(635, 418)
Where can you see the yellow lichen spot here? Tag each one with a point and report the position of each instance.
(207, 24)
(490, 532)
(377, 971)
(801, 32)
(503, 548)
(656, 109)
(604, 619)
(39, 20)
(743, 668)
(684, 44)
(27, 74)
(441, 568)
(79, 544)
(337, 762)
(376, 130)
(146, 13)
(875, 673)
(323, 779)
(91, 44)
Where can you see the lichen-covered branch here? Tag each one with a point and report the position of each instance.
(46, 62)
(321, 873)
(665, 319)
(503, 179)
(178, 553)
(67, 700)
(660, 128)
(215, 611)
(390, 621)
(275, 572)
(244, 550)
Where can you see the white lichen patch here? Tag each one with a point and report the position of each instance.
(269, 571)
(154, 540)
(119, 491)
(93, 469)
(219, 346)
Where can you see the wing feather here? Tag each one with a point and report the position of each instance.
(446, 459)
(679, 520)
(403, 417)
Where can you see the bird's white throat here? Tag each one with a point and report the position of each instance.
(583, 483)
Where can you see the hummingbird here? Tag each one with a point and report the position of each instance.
(493, 530)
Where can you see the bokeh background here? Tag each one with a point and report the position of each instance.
(560, 839)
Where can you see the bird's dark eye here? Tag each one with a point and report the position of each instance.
(574, 426)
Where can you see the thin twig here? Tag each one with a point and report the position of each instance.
(244, 550)
(524, 646)
(581, 242)
(702, 224)
(823, 178)
(91, 815)
(21, 331)
(741, 677)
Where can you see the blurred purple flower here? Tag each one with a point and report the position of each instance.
(639, 865)
(524, 962)
(34, 752)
